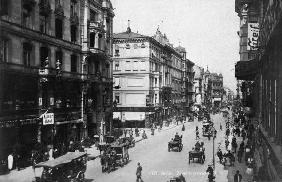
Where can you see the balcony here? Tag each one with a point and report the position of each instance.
(44, 8)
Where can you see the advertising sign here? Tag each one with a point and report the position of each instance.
(253, 36)
(48, 118)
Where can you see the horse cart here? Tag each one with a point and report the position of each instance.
(116, 155)
(198, 153)
(176, 144)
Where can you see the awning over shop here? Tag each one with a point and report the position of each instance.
(137, 116)
(246, 70)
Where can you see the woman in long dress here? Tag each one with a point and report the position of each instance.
(10, 161)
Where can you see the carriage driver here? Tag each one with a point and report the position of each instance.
(197, 146)
(176, 137)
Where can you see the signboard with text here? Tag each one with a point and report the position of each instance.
(48, 118)
(253, 36)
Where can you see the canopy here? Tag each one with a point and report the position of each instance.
(67, 158)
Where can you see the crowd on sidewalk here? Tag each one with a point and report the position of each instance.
(238, 157)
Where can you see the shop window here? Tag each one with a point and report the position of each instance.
(73, 33)
(92, 39)
(4, 8)
(116, 65)
(4, 50)
(44, 59)
(73, 63)
(117, 98)
(59, 28)
(27, 50)
(116, 50)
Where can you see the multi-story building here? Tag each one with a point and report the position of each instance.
(259, 72)
(198, 86)
(207, 89)
(43, 80)
(97, 35)
(147, 78)
(40, 73)
(216, 89)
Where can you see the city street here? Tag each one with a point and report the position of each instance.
(158, 164)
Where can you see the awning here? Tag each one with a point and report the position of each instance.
(246, 70)
(139, 116)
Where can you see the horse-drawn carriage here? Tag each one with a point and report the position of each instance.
(116, 155)
(176, 143)
(69, 168)
(207, 129)
(198, 153)
(178, 179)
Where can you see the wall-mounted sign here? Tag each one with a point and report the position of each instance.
(253, 36)
(48, 118)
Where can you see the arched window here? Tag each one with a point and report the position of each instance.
(73, 33)
(59, 28)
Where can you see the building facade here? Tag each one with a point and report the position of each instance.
(259, 72)
(147, 79)
(44, 83)
(198, 86)
(216, 82)
(97, 36)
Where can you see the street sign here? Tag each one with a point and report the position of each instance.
(48, 118)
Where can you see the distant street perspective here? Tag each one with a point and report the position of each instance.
(145, 91)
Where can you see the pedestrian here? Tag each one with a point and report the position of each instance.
(139, 173)
(220, 127)
(10, 161)
(237, 177)
(220, 155)
(240, 155)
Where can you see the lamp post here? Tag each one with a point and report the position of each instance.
(213, 134)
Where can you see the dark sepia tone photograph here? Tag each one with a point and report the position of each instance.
(140, 90)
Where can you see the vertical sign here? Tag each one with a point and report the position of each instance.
(253, 35)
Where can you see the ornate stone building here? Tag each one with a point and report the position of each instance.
(148, 79)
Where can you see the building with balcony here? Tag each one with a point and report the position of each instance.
(259, 72)
(40, 70)
(198, 86)
(97, 34)
(147, 75)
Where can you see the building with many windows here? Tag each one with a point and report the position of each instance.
(147, 78)
(46, 80)
(198, 86)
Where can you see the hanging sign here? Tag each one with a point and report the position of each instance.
(253, 36)
(48, 118)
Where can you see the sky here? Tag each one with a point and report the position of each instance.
(206, 28)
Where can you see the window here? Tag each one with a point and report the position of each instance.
(73, 7)
(73, 63)
(93, 15)
(135, 46)
(156, 82)
(117, 98)
(116, 65)
(26, 19)
(59, 60)
(127, 46)
(143, 45)
(73, 33)
(59, 28)
(127, 66)
(27, 49)
(116, 83)
(4, 50)
(4, 8)
(92, 39)
(44, 52)
(43, 24)
(116, 50)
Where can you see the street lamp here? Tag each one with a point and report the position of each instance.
(213, 134)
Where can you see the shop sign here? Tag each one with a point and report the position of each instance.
(253, 36)
(48, 118)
